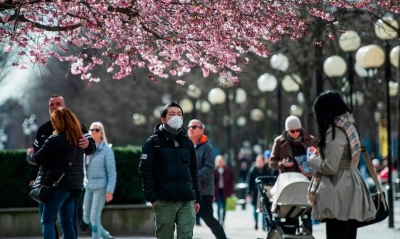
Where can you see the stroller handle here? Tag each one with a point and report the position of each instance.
(264, 200)
(267, 180)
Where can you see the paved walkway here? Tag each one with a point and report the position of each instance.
(240, 225)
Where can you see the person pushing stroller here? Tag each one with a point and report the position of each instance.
(292, 143)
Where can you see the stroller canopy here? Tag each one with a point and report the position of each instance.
(290, 189)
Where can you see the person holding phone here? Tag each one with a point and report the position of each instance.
(293, 142)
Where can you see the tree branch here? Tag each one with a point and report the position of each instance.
(21, 18)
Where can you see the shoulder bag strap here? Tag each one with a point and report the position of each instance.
(55, 184)
(368, 162)
(370, 167)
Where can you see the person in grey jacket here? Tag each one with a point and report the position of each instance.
(99, 182)
(205, 172)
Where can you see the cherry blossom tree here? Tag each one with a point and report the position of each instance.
(169, 37)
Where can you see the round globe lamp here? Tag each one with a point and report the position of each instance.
(335, 66)
(267, 82)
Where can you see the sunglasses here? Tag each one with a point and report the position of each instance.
(194, 127)
(95, 130)
(294, 131)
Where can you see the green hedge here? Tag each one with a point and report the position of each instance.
(15, 171)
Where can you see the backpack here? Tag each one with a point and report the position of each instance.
(155, 142)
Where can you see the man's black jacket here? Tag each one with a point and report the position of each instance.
(169, 172)
(45, 131)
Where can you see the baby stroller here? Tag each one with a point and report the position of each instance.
(283, 201)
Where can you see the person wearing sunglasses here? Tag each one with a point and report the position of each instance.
(205, 172)
(99, 182)
(293, 142)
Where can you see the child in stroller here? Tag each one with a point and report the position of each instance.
(283, 200)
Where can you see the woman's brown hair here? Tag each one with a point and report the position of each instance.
(64, 121)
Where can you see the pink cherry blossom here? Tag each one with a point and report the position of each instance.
(169, 37)
(8, 49)
(180, 82)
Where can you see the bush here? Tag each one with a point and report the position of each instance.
(15, 171)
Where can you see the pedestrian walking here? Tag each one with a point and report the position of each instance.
(169, 176)
(259, 169)
(60, 161)
(337, 191)
(224, 182)
(45, 131)
(99, 183)
(205, 166)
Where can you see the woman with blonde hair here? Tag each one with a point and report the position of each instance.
(60, 169)
(100, 180)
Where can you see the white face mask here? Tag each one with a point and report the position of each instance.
(175, 122)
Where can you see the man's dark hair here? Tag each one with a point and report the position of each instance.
(164, 110)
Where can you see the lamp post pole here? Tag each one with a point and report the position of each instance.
(389, 134)
(279, 107)
(319, 78)
(350, 76)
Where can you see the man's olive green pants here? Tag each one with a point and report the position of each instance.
(167, 214)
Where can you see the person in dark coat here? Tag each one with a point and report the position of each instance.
(258, 170)
(60, 161)
(224, 186)
(168, 169)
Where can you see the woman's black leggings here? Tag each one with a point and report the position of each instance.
(336, 229)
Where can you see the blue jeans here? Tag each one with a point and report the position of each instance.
(61, 202)
(73, 220)
(41, 205)
(221, 208)
(264, 222)
(93, 204)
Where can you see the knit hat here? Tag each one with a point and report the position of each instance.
(267, 153)
(292, 122)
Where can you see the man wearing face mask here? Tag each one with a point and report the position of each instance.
(168, 170)
(293, 142)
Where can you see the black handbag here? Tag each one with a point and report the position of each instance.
(42, 193)
(379, 198)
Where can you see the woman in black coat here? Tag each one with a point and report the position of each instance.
(61, 169)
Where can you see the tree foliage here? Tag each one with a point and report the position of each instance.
(169, 37)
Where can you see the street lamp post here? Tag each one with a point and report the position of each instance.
(3, 139)
(372, 57)
(279, 62)
(266, 83)
(27, 131)
(217, 96)
(296, 110)
(194, 93)
(139, 119)
(349, 42)
(335, 67)
(386, 33)
(186, 105)
(29, 127)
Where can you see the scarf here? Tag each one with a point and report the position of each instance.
(344, 122)
(170, 130)
(290, 139)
